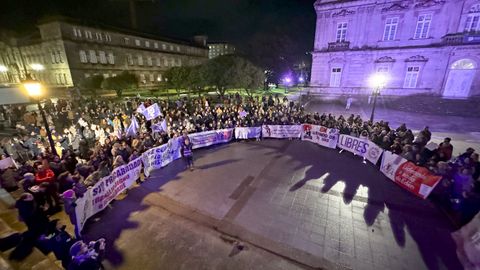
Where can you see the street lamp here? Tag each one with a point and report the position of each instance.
(287, 81)
(377, 82)
(34, 89)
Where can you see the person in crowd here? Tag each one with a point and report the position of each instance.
(32, 215)
(87, 257)
(44, 175)
(69, 205)
(445, 149)
(187, 153)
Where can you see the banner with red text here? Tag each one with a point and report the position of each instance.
(320, 135)
(105, 190)
(418, 180)
(360, 146)
(281, 131)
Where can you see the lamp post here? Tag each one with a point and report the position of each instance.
(377, 81)
(287, 81)
(34, 90)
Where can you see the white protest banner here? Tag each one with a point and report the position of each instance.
(467, 240)
(281, 131)
(244, 133)
(107, 189)
(207, 138)
(161, 156)
(323, 136)
(141, 108)
(7, 162)
(418, 180)
(152, 112)
(361, 147)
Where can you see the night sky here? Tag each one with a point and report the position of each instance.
(270, 31)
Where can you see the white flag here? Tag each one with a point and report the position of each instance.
(132, 129)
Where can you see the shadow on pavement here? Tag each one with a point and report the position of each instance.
(407, 214)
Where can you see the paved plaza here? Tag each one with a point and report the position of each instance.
(293, 204)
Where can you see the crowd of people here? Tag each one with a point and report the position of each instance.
(91, 139)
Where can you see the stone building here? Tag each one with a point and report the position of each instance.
(64, 52)
(219, 48)
(422, 46)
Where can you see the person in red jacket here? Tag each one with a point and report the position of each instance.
(44, 175)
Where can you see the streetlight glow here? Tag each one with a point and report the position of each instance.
(37, 67)
(288, 79)
(378, 80)
(301, 79)
(3, 68)
(34, 88)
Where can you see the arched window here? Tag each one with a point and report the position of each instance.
(463, 64)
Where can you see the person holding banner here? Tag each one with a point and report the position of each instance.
(187, 153)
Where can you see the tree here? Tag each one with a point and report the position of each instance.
(233, 72)
(92, 84)
(123, 81)
(177, 77)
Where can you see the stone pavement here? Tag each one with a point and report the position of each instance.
(300, 202)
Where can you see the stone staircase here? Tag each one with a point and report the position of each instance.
(11, 228)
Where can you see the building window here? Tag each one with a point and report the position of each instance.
(391, 25)
(142, 78)
(65, 81)
(77, 32)
(471, 24)
(108, 37)
(411, 77)
(111, 58)
(126, 40)
(165, 62)
(87, 75)
(149, 61)
(164, 46)
(335, 77)
(98, 36)
(106, 75)
(155, 45)
(137, 42)
(140, 60)
(88, 34)
(129, 59)
(341, 32)
(171, 47)
(83, 56)
(93, 56)
(158, 62)
(423, 26)
(179, 62)
(178, 48)
(102, 57)
(147, 44)
(151, 77)
(159, 78)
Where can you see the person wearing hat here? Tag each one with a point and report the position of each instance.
(87, 256)
(69, 205)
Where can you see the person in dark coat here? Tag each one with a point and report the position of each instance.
(31, 215)
(187, 153)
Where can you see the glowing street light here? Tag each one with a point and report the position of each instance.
(301, 79)
(286, 81)
(35, 90)
(3, 68)
(377, 81)
(37, 67)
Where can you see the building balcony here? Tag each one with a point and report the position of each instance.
(339, 46)
(462, 38)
